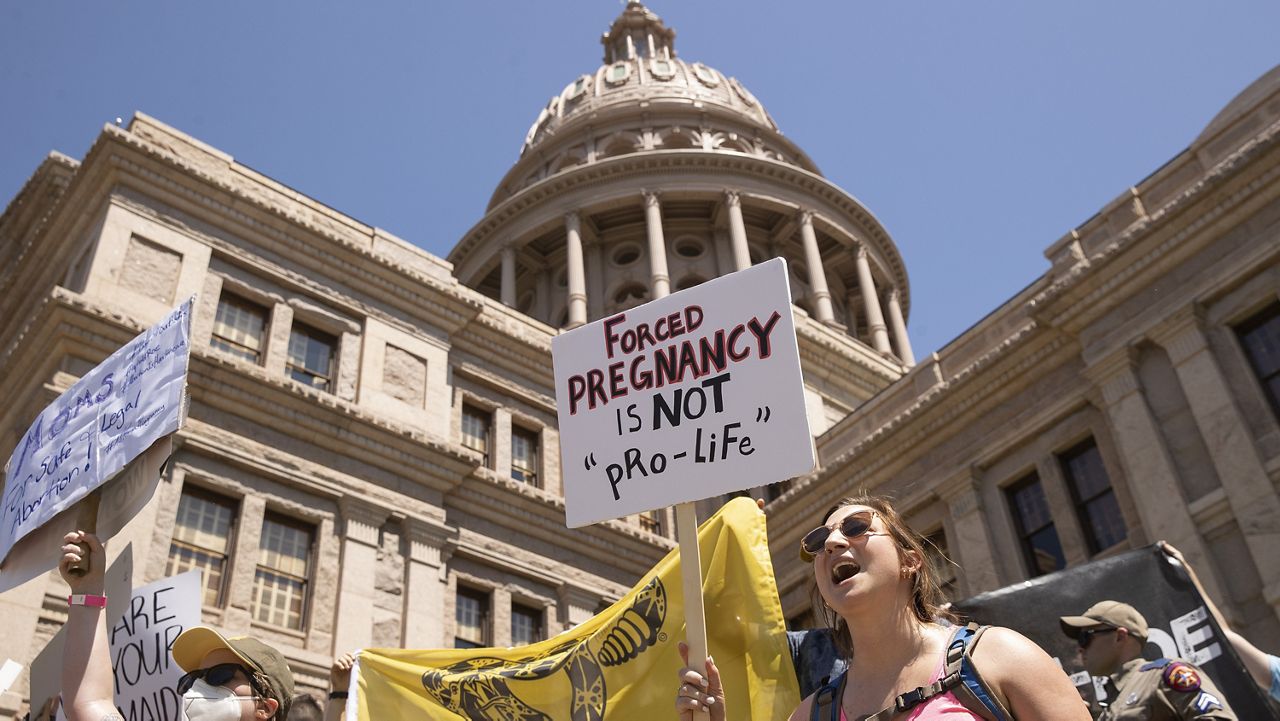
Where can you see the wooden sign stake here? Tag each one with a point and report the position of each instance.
(691, 575)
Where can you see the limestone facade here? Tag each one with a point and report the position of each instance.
(420, 467)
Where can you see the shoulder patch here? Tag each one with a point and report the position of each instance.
(1206, 702)
(1181, 677)
(1158, 663)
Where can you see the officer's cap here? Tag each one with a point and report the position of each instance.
(1106, 613)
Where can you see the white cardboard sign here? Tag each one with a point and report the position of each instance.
(685, 397)
(94, 429)
(141, 638)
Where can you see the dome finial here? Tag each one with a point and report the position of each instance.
(638, 33)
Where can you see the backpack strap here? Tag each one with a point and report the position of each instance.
(826, 703)
(972, 691)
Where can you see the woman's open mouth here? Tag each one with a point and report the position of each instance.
(843, 571)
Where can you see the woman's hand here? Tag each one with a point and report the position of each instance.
(340, 672)
(698, 695)
(79, 546)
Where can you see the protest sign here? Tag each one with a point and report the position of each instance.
(141, 638)
(122, 498)
(1161, 590)
(93, 430)
(9, 673)
(689, 396)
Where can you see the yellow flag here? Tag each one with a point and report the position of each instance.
(621, 664)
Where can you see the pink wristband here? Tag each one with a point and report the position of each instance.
(84, 599)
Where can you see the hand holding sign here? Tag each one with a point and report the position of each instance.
(83, 551)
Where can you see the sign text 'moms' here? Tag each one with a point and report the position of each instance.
(94, 429)
(689, 396)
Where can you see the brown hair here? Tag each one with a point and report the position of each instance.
(926, 596)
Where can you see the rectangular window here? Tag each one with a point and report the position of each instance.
(202, 539)
(1095, 500)
(526, 625)
(524, 455)
(1034, 523)
(472, 615)
(939, 560)
(1260, 337)
(475, 430)
(280, 586)
(311, 357)
(238, 328)
(651, 522)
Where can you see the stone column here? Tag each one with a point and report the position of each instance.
(544, 297)
(871, 303)
(246, 550)
(659, 280)
(1075, 549)
(595, 277)
(972, 542)
(278, 330)
(576, 605)
(817, 275)
(1148, 465)
(206, 311)
(361, 523)
(347, 373)
(500, 597)
(425, 583)
(1235, 457)
(853, 302)
(737, 231)
(899, 327)
(509, 276)
(500, 444)
(577, 276)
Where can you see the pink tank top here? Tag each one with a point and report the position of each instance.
(944, 706)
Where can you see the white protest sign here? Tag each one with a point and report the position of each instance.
(141, 638)
(9, 673)
(688, 396)
(92, 431)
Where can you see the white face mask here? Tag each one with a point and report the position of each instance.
(211, 703)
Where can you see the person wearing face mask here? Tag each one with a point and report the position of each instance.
(227, 679)
(882, 601)
(231, 679)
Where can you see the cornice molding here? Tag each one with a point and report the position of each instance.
(1065, 301)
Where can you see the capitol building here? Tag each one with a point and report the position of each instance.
(372, 456)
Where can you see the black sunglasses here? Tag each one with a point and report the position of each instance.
(217, 676)
(1084, 637)
(853, 525)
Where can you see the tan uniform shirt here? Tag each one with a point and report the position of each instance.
(1165, 690)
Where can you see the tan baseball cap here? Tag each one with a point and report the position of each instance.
(193, 644)
(1106, 613)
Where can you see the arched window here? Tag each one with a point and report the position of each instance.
(629, 296)
(618, 144)
(678, 139)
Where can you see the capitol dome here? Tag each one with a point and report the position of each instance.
(653, 174)
(641, 65)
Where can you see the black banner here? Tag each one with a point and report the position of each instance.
(1148, 580)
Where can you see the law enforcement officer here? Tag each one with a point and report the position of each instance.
(1111, 637)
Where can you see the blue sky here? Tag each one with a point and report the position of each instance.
(978, 132)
